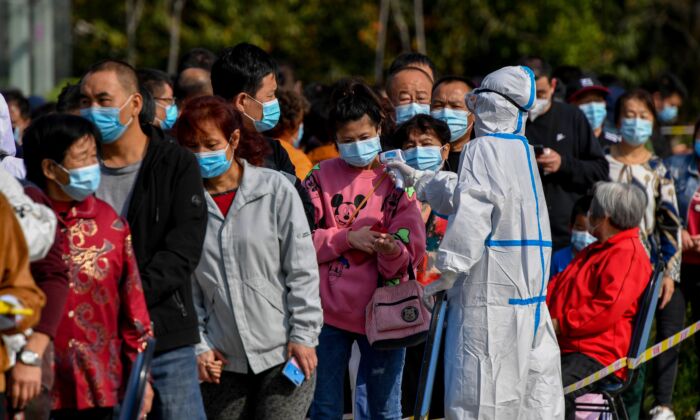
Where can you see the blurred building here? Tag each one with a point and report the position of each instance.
(35, 44)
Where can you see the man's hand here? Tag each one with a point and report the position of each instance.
(363, 239)
(550, 161)
(386, 244)
(306, 357)
(211, 364)
(557, 328)
(147, 400)
(26, 384)
(667, 289)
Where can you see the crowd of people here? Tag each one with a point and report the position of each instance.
(246, 221)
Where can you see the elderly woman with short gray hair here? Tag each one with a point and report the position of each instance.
(593, 302)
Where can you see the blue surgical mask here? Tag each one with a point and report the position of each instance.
(668, 113)
(408, 111)
(696, 145)
(170, 117)
(15, 134)
(580, 239)
(595, 113)
(270, 115)
(636, 131)
(300, 135)
(213, 164)
(428, 158)
(360, 153)
(82, 182)
(106, 119)
(456, 119)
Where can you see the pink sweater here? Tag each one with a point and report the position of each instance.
(348, 276)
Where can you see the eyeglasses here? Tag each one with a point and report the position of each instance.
(166, 101)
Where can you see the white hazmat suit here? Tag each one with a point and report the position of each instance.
(501, 354)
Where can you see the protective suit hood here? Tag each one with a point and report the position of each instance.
(7, 140)
(493, 111)
(13, 165)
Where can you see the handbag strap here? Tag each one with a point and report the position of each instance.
(391, 205)
(364, 201)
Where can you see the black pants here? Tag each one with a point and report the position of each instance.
(670, 321)
(574, 367)
(267, 395)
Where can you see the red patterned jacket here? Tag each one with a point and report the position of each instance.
(105, 321)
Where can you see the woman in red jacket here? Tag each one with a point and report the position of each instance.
(105, 322)
(594, 301)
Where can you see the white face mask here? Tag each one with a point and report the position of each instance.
(539, 108)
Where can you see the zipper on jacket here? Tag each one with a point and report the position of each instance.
(178, 302)
(398, 302)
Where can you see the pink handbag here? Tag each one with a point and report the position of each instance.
(396, 316)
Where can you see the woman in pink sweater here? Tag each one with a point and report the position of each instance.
(369, 233)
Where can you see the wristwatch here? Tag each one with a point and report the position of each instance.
(29, 358)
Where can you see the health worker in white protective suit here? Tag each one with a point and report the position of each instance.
(501, 353)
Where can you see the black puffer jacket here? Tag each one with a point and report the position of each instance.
(168, 217)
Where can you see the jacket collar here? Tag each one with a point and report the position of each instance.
(619, 237)
(86, 209)
(693, 165)
(252, 187)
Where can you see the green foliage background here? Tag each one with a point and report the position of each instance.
(327, 39)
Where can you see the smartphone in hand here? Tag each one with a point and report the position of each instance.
(293, 372)
(539, 149)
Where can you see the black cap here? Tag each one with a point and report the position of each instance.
(583, 84)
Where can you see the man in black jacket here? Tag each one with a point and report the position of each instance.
(156, 185)
(570, 158)
(245, 75)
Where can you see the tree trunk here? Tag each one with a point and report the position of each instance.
(401, 25)
(134, 11)
(420, 29)
(381, 41)
(175, 23)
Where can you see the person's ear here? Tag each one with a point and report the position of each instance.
(554, 83)
(136, 104)
(52, 171)
(235, 138)
(238, 102)
(445, 152)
